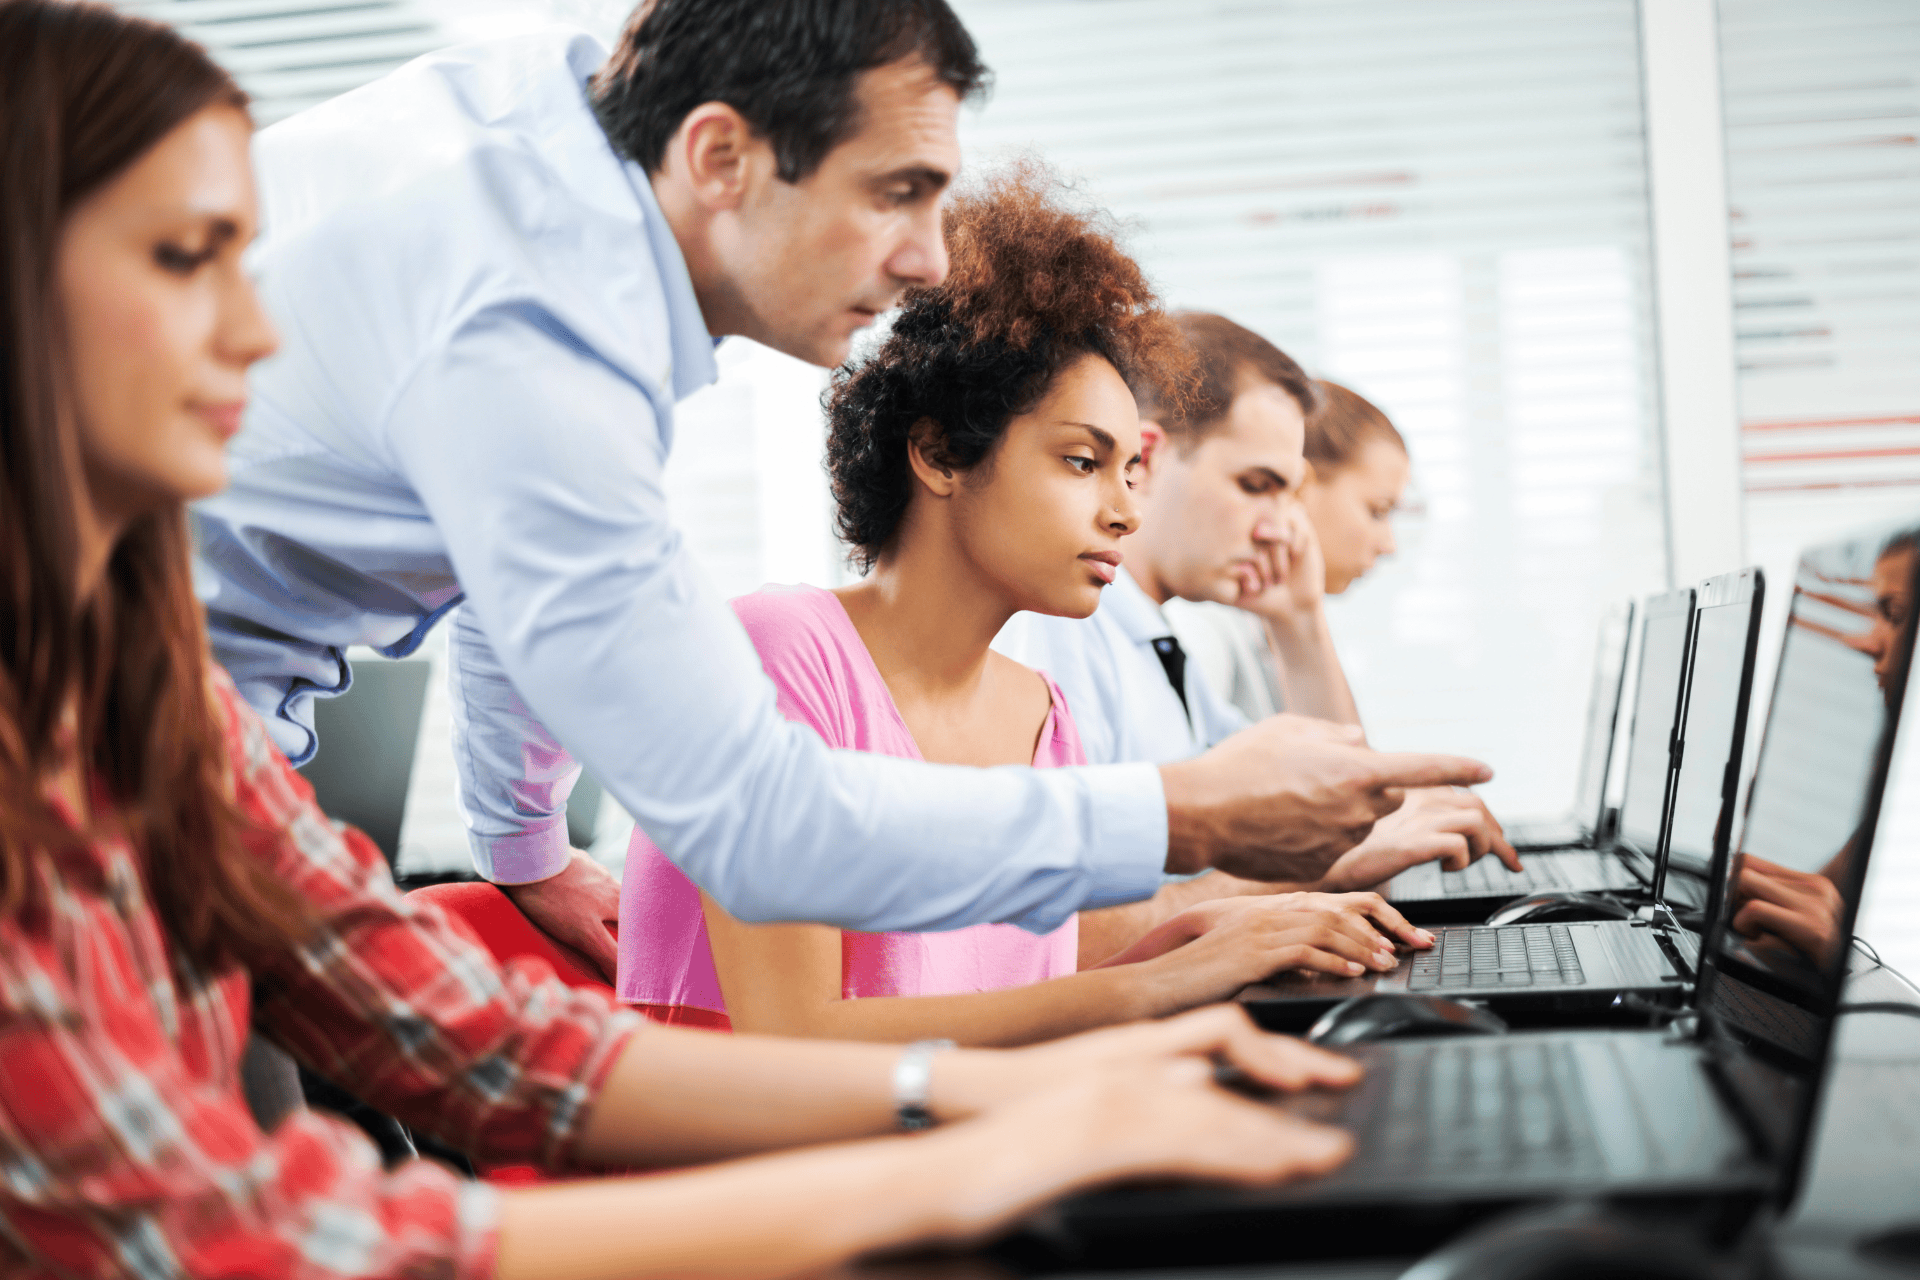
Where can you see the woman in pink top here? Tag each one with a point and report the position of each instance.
(981, 466)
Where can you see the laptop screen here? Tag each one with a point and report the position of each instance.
(1779, 930)
(1656, 700)
(1603, 712)
(1725, 628)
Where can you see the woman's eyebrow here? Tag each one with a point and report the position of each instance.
(1101, 437)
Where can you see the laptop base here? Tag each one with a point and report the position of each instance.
(1428, 895)
(1454, 1129)
(1145, 1233)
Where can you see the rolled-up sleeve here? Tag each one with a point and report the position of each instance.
(542, 467)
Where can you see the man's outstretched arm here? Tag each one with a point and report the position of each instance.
(542, 467)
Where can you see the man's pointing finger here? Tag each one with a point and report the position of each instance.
(1416, 769)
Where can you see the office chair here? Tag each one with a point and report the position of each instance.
(368, 735)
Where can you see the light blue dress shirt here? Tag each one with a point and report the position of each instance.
(485, 325)
(1122, 701)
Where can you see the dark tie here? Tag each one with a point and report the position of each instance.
(1174, 659)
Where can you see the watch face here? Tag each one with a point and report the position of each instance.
(912, 1084)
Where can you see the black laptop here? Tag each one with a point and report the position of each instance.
(1616, 860)
(1576, 965)
(1842, 673)
(1713, 1111)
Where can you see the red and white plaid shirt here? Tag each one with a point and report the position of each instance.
(126, 1148)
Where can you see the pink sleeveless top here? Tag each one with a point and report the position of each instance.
(826, 680)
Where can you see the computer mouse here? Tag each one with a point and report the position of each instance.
(1558, 906)
(1397, 1017)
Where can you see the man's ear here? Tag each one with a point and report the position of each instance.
(1153, 438)
(715, 152)
(926, 453)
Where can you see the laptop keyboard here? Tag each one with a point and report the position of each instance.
(1489, 878)
(1484, 1106)
(1524, 955)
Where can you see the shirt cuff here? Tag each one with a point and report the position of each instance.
(1127, 845)
(542, 852)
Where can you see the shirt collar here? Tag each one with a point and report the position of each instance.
(694, 365)
(1133, 609)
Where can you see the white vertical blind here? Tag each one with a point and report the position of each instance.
(1444, 205)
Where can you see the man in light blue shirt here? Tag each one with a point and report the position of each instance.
(496, 270)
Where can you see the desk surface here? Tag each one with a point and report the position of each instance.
(1865, 1175)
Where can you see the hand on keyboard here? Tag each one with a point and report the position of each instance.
(1211, 950)
(1448, 824)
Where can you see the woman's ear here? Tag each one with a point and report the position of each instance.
(927, 455)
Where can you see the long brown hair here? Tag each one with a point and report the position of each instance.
(84, 92)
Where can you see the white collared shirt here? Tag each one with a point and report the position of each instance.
(1228, 647)
(1116, 687)
(485, 323)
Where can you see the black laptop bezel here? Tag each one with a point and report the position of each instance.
(1726, 590)
(1638, 859)
(1623, 614)
(1714, 1033)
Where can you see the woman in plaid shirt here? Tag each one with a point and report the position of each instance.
(166, 883)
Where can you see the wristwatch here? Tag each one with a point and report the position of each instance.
(912, 1081)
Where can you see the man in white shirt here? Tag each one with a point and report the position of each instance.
(496, 270)
(1219, 522)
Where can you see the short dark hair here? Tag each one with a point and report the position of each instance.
(788, 66)
(1035, 285)
(1230, 355)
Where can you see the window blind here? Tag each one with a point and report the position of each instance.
(1444, 206)
(290, 54)
(1823, 118)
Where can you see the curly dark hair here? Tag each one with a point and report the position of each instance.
(1033, 286)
